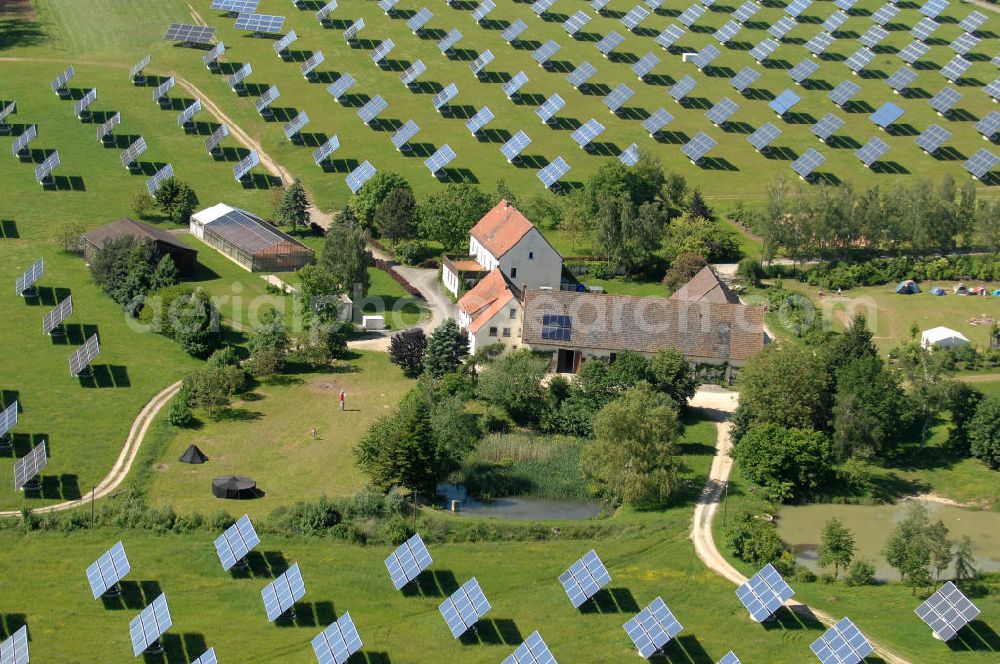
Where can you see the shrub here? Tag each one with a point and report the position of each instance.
(805, 575)
(410, 252)
(394, 530)
(179, 414)
(753, 540)
(220, 520)
(860, 573)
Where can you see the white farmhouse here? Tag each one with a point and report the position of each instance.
(504, 239)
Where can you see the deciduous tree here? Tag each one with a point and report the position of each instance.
(345, 259)
(406, 350)
(836, 546)
(450, 212)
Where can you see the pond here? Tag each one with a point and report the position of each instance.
(518, 508)
(799, 527)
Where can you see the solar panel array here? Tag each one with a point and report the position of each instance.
(924, 28)
(669, 36)
(609, 43)
(14, 650)
(657, 121)
(6, 111)
(682, 88)
(323, 152)
(947, 611)
(901, 79)
(340, 87)
(781, 27)
(323, 13)
(834, 21)
(873, 36)
(746, 11)
(438, 161)
(484, 9)
(189, 34)
(151, 623)
(705, 56)
(818, 44)
(161, 90)
(933, 8)
(844, 92)
(511, 87)
(872, 151)
(104, 573)
(934, 137)
(63, 79)
(796, 7)
(532, 651)
(765, 48)
(404, 134)
(841, 644)
(652, 628)
(722, 111)
(356, 178)
(44, 169)
(860, 59)
(691, 15)
(989, 125)
(807, 163)
(634, 18)
(884, 14)
(260, 23)
(581, 74)
(51, 321)
(208, 657)
(576, 22)
(618, 97)
(27, 467)
(382, 50)
(247, 164)
(479, 64)
(630, 155)
(803, 70)
(138, 67)
(972, 22)
(945, 100)
(106, 128)
(310, 65)
(784, 102)
(764, 592)
(584, 578)
(212, 142)
(235, 6)
(448, 42)
(132, 153)
(993, 89)
(420, 19)
(587, 132)
(955, 68)
(744, 78)
(351, 33)
(551, 174)
(515, 145)
(210, 59)
(913, 51)
(981, 163)
(281, 46)
(541, 6)
(154, 183)
(827, 125)
(763, 136)
(236, 542)
(336, 643)
(81, 358)
(441, 99)
(282, 593)
(729, 658)
(464, 608)
(187, 115)
(236, 80)
(296, 125)
(513, 31)
(725, 34)
(544, 53)
(550, 107)
(29, 277)
(887, 114)
(21, 142)
(964, 43)
(8, 419)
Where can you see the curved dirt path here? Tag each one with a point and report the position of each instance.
(123, 464)
(718, 406)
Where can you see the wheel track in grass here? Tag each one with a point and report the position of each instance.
(720, 406)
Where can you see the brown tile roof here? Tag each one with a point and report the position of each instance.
(464, 264)
(706, 286)
(485, 299)
(126, 226)
(710, 330)
(501, 228)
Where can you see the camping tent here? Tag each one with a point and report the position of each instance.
(937, 290)
(960, 289)
(997, 292)
(907, 287)
(943, 337)
(193, 455)
(240, 488)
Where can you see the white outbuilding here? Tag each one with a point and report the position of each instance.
(943, 337)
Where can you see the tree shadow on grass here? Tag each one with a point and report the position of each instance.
(18, 33)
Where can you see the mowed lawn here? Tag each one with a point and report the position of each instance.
(268, 437)
(733, 170)
(520, 579)
(891, 315)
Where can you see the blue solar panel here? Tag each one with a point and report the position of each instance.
(482, 117)
(652, 628)
(532, 651)
(282, 593)
(763, 136)
(464, 608)
(336, 643)
(765, 592)
(682, 88)
(807, 163)
(404, 134)
(934, 137)
(586, 576)
(657, 121)
(947, 611)
(784, 102)
(108, 570)
(515, 145)
(841, 644)
(886, 114)
(236, 542)
(630, 156)
(552, 173)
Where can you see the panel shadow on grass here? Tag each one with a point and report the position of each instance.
(684, 649)
(11, 622)
(611, 600)
(308, 614)
(432, 583)
(134, 595)
(976, 636)
(493, 631)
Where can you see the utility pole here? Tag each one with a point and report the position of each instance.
(93, 495)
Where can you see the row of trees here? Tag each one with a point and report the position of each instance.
(916, 218)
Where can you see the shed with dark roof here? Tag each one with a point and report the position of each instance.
(165, 242)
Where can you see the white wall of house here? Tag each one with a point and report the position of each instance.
(450, 279)
(481, 254)
(532, 262)
(504, 327)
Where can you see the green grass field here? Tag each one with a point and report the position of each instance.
(267, 436)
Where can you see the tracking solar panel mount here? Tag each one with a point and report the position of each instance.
(802, 71)
(834, 22)
(401, 139)
(417, 22)
(669, 36)
(281, 594)
(783, 103)
(60, 85)
(321, 155)
(162, 90)
(652, 628)
(827, 125)
(357, 178)
(211, 59)
(43, 172)
(989, 126)
(339, 88)
(843, 93)
(137, 73)
(212, 142)
(763, 136)
(309, 67)
(552, 173)
(512, 88)
(884, 14)
(448, 42)
(154, 183)
(696, 149)
(189, 35)
(860, 59)
(514, 146)
(547, 111)
(478, 66)
(955, 68)
(924, 28)
(80, 359)
(412, 73)
(932, 138)
(609, 43)
(105, 131)
(806, 164)
(107, 571)
(725, 34)
(544, 53)
(886, 115)
(630, 155)
(617, 98)
(24, 285)
(14, 650)
(514, 31)
(532, 651)
(541, 7)
(351, 33)
(682, 88)
(746, 11)
(743, 79)
(575, 23)
(28, 468)
(691, 15)
(260, 24)
(237, 82)
(263, 103)
(186, 117)
(763, 50)
(588, 131)
(901, 79)
(235, 543)
(130, 155)
(81, 108)
(944, 101)
(388, 7)
(8, 420)
(147, 628)
(817, 45)
(53, 322)
(722, 111)
(463, 609)
(7, 109)
(293, 130)
(947, 611)
(235, 6)
(872, 151)
(481, 13)
(634, 18)
(584, 579)
(764, 593)
(980, 164)
(323, 13)
(336, 643)
(407, 562)
(657, 121)
(705, 57)
(381, 52)
(578, 77)
(782, 27)
(873, 36)
(438, 162)
(241, 171)
(441, 100)
(841, 644)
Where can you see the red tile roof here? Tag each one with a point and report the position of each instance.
(501, 228)
(485, 299)
(708, 330)
(706, 286)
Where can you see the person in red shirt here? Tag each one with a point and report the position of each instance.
(343, 400)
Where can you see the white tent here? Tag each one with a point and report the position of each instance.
(943, 337)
